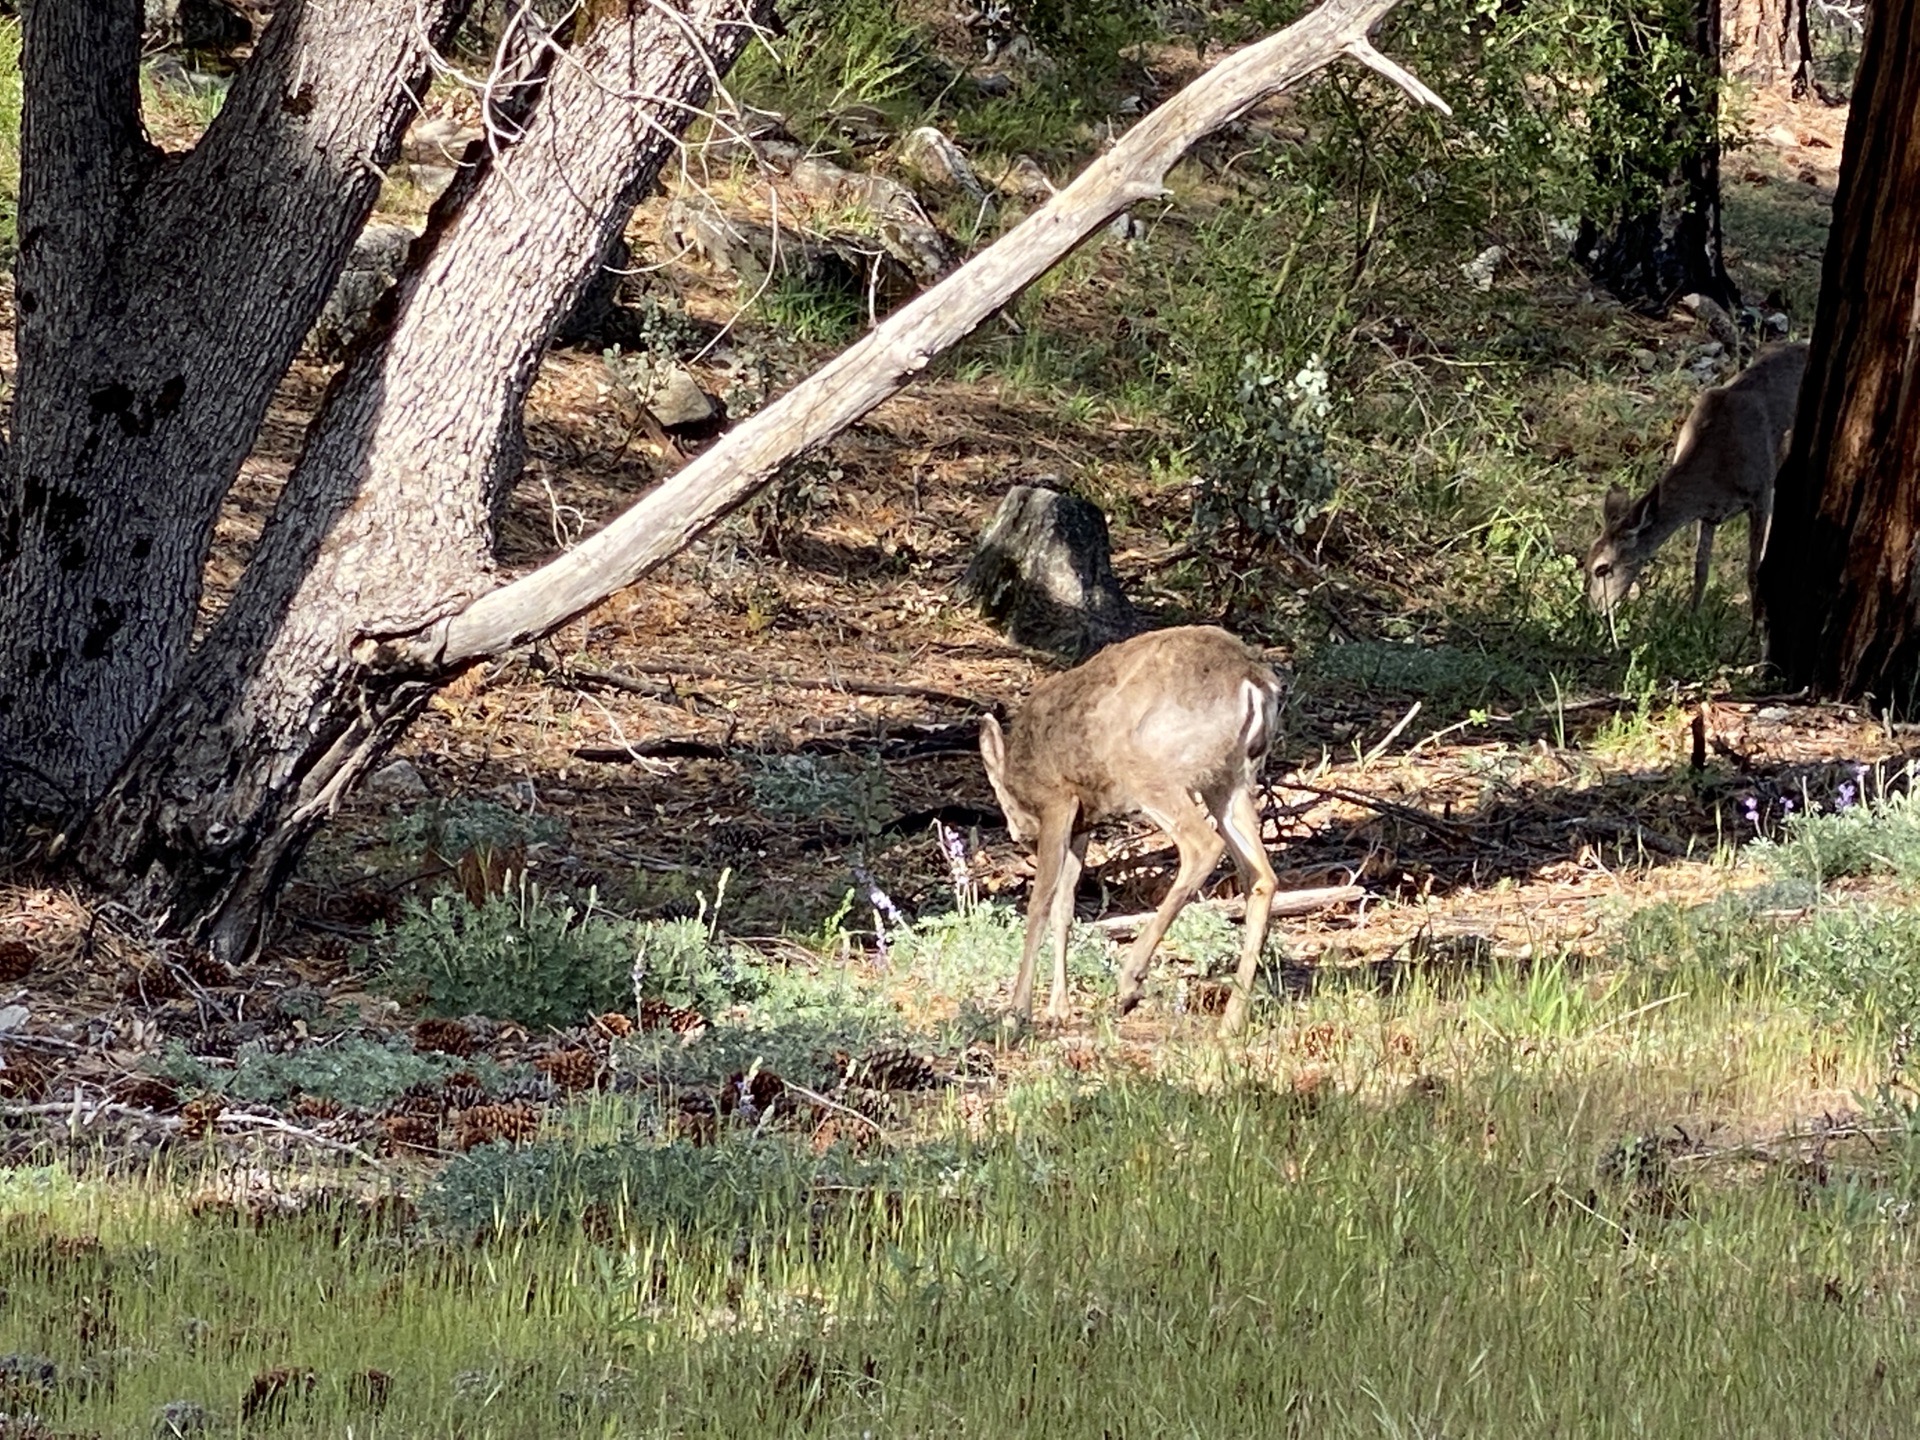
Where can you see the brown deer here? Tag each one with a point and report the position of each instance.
(1173, 725)
(1723, 465)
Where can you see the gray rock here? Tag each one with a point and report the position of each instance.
(1027, 181)
(1645, 359)
(1044, 572)
(398, 778)
(940, 163)
(670, 393)
(375, 263)
(12, 1017)
(994, 84)
(437, 140)
(196, 25)
(179, 1418)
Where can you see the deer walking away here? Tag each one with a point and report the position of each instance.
(1723, 465)
(1173, 725)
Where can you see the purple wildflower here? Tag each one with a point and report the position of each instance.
(1751, 807)
(1843, 799)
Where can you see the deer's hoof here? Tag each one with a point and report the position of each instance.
(1126, 1000)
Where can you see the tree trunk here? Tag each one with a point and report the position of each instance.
(385, 524)
(1663, 237)
(1840, 585)
(159, 303)
(1768, 42)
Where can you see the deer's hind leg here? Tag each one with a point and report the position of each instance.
(1240, 825)
(1054, 861)
(1200, 846)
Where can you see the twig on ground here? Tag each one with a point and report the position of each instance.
(1385, 807)
(1290, 902)
(834, 1105)
(244, 1120)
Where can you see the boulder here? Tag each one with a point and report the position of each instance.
(940, 163)
(374, 264)
(1044, 573)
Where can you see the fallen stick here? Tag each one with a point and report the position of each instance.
(1290, 902)
(885, 689)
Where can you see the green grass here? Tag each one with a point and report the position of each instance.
(1517, 1252)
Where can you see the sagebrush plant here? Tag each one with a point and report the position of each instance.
(1855, 835)
(853, 790)
(966, 950)
(1261, 461)
(523, 954)
(359, 1070)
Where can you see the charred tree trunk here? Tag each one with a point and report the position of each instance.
(159, 303)
(1768, 42)
(1662, 239)
(1840, 584)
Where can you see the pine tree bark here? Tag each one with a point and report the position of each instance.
(1768, 42)
(159, 303)
(1840, 585)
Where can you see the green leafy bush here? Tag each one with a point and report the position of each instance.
(980, 947)
(455, 826)
(522, 955)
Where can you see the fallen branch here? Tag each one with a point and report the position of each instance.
(668, 518)
(887, 689)
(1383, 807)
(244, 1121)
(1291, 902)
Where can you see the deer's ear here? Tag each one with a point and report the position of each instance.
(1616, 505)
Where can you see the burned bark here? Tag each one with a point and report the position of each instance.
(1662, 238)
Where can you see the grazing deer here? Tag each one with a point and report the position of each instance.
(1723, 464)
(1173, 725)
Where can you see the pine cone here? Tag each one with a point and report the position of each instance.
(208, 971)
(273, 1391)
(751, 1096)
(148, 1092)
(366, 905)
(891, 1069)
(698, 1119)
(681, 1019)
(449, 1037)
(569, 1069)
(370, 1389)
(150, 983)
(421, 1099)
(25, 1077)
(16, 961)
(316, 1107)
(613, 1024)
(411, 1132)
(333, 951)
(198, 1115)
(484, 1124)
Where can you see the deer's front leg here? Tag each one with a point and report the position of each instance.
(1702, 558)
(1060, 924)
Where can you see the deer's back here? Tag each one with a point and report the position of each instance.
(1150, 719)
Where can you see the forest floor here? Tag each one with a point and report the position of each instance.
(771, 741)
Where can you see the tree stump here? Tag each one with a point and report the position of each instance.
(1044, 572)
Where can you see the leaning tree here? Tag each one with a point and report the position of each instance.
(1840, 585)
(160, 299)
